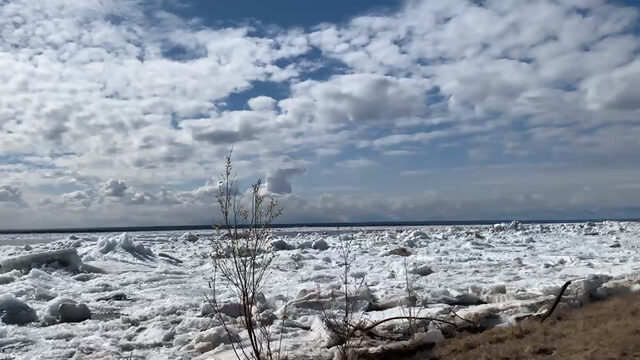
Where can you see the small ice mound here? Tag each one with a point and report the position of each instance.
(44, 294)
(156, 334)
(189, 237)
(419, 235)
(73, 313)
(320, 245)
(422, 270)
(281, 245)
(107, 245)
(15, 312)
(210, 339)
(53, 308)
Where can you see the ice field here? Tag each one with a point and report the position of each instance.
(146, 305)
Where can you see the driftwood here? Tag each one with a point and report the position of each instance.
(555, 303)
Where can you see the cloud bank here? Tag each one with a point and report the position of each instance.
(120, 112)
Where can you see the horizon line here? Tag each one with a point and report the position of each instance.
(104, 229)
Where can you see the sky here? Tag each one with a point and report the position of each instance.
(120, 112)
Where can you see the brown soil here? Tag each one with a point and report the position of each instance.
(604, 330)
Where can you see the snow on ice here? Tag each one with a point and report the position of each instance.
(54, 303)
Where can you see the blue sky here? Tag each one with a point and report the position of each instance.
(119, 113)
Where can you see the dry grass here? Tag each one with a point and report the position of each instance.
(598, 331)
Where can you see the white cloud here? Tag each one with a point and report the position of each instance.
(279, 177)
(11, 195)
(615, 90)
(262, 103)
(114, 188)
(356, 98)
(124, 90)
(356, 163)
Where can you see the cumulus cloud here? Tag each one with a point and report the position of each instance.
(114, 188)
(615, 90)
(105, 94)
(76, 200)
(279, 177)
(356, 98)
(262, 103)
(10, 194)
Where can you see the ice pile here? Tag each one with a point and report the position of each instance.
(123, 242)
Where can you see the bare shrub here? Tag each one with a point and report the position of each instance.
(343, 321)
(408, 305)
(241, 258)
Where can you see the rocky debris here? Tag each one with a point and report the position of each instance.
(15, 312)
(28, 247)
(422, 270)
(189, 237)
(73, 313)
(320, 245)
(72, 237)
(398, 252)
(281, 245)
(210, 339)
(615, 245)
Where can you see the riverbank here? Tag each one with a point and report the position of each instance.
(608, 329)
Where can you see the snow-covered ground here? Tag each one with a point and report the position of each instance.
(157, 310)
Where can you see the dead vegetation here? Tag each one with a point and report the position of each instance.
(604, 330)
(241, 260)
